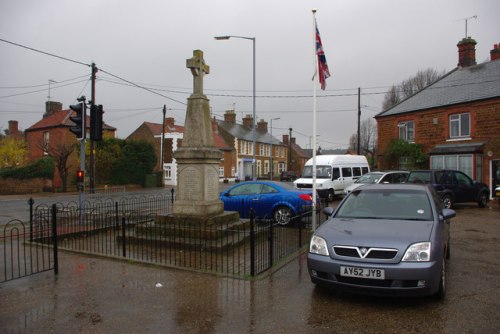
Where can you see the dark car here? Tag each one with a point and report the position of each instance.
(288, 176)
(387, 239)
(270, 200)
(453, 186)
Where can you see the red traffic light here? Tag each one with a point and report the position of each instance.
(80, 176)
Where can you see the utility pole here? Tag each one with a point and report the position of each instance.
(359, 121)
(92, 107)
(289, 150)
(161, 145)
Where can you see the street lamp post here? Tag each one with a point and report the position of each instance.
(254, 132)
(271, 157)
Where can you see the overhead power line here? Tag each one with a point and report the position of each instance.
(45, 53)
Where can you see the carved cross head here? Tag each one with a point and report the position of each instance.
(198, 69)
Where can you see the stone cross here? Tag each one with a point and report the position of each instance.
(198, 69)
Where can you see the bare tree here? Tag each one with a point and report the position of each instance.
(391, 98)
(408, 87)
(367, 138)
(61, 153)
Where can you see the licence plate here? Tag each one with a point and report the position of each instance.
(362, 272)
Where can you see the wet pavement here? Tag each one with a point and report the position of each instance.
(99, 295)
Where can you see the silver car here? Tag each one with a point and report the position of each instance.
(398, 176)
(384, 239)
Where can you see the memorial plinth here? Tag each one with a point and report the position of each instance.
(198, 159)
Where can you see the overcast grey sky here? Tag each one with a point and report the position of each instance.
(368, 44)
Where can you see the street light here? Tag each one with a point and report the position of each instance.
(271, 158)
(254, 134)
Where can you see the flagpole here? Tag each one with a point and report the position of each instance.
(314, 122)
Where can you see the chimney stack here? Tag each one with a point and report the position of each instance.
(51, 107)
(169, 122)
(466, 52)
(495, 52)
(262, 125)
(248, 121)
(13, 128)
(230, 116)
(285, 139)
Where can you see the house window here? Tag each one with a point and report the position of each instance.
(46, 141)
(281, 167)
(460, 125)
(221, 171)
(407, 131)
(259, 168)
(168, 172)
(266, 167)
(462, 162)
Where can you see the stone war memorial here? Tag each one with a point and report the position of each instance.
(197, 197)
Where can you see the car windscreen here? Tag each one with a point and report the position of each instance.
(400, 204)
(369, 178)
(322, 172)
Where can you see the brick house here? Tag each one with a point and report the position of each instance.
(269, 150)
(51, 135)
(456, 119)
(297, 157)
(153, 132)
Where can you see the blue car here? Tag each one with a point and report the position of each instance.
(270, 200)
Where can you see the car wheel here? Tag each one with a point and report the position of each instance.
(330, 196)
(282, 215)
(441, 293)
(447, 201)
(482, 200)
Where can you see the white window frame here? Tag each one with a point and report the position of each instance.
(460, 125)
(407, 131)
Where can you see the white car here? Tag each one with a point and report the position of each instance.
(378, 177)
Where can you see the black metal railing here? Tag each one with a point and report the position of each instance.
(20, 257)
(133, 228)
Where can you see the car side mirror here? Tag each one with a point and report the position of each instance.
(448, 214)
(328, 211)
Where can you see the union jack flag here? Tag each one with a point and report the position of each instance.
(323, 71)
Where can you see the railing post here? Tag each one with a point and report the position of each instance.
(54, 238)
(172, 191)
(252, 242)
(117, 218)
(124, 246)
(300, 232)
(31, 201)
(271, 243)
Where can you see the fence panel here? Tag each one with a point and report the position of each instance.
(19, 256)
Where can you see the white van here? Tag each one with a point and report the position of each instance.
(333, 173)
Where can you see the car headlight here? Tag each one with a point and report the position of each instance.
(419, 252)
(318, 246)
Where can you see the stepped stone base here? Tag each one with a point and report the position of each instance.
(216, 232)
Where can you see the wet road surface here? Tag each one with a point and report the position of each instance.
(97, 295)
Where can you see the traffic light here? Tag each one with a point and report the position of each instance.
(80, 179)
(96, 122)
(78, 119)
